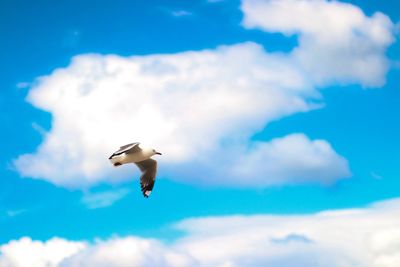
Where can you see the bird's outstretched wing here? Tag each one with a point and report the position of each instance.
(129, 148)
(148, 168)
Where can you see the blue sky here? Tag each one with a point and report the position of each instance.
(352, 129)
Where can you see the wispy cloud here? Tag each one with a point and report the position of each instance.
(376, 176)
(103, 199)
(181, 13)
(12, 212)
(22, 85)
(215, 1)
(37, 127)
(397, 27)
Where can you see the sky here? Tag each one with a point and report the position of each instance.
(277, 121)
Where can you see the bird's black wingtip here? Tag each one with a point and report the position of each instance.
(146, 193)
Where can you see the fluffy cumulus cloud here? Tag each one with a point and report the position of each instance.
(290, 160)
(26, 252)
(367, 237)
(184, 105)
(198, 107)
(128, 252)
(337, 41)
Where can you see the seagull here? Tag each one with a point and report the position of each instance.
(133, 153)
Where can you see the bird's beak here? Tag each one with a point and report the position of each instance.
(158, 153)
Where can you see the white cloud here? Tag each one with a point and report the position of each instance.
(337, 41)
(292, 159)
(198, 107)
(128, 252)
(184, 105)
(367, 237)
(103, 199)
(25, 252)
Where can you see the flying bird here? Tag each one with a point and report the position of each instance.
(133, 153)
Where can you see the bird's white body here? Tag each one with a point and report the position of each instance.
(138, 156)
(133, 153)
